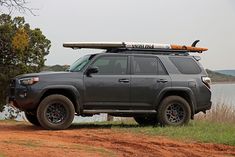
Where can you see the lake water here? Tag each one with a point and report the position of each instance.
(223, 93)
(220, 93)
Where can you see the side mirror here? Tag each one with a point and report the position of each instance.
(68, 68)
(92, 70)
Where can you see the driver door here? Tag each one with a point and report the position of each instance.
(110, 87)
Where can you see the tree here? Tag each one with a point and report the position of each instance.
(18, 5)
(22, 50)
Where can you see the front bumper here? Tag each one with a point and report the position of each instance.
(10, 99)
(22, 97)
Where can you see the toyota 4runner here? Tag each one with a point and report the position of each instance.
(154, 83)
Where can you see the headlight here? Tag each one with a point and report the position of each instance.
(28, 81)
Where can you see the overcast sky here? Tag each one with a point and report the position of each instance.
(160, 21)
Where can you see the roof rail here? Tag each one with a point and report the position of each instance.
(148, 51)
(136, 46)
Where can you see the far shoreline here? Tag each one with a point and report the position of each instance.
(223, 82)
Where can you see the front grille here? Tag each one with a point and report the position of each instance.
(12, 83)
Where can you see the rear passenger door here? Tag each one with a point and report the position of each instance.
(148, 78)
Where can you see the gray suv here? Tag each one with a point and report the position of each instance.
(155, 85)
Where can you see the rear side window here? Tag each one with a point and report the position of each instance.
(148, 66)
(186, 65)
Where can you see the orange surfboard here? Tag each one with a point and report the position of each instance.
(188, 48)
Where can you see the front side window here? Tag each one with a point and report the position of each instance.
(148, 66)
(80, 63)
(111, 65)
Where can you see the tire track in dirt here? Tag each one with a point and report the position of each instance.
(23, 139)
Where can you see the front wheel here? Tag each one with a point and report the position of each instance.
(174, 111)
(55, 112)
(32, 118)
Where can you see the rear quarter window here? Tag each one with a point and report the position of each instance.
(186, 65)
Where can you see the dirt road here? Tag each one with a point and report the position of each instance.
(23, 139)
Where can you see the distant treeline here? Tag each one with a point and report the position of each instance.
(218, 77)
(55, 68)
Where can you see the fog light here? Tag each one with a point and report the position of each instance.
(23, 95)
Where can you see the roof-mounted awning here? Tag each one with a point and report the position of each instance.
(134, 45)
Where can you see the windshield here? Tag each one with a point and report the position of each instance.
(80, 63)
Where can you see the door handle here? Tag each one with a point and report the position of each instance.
(123, 80)
(162, 81)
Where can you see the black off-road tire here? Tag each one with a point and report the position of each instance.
(55, 112)
(146, 120)
(174, 111)
(32, 118)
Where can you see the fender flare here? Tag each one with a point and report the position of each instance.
(72, 89)
(162, 93)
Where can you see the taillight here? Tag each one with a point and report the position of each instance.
(207, 81)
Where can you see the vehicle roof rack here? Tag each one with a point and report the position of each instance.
(153, 48)
(148, 51)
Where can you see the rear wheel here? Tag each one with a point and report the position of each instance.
(146, 120)
(55, 112)
(174, 111)
(32, 118)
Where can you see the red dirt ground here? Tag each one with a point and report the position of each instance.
(25, 140)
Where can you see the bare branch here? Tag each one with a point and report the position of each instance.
(16, 5)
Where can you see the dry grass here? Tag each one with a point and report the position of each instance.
(221, 112)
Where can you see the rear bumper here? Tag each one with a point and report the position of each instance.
(208, 106)
(204, 107)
